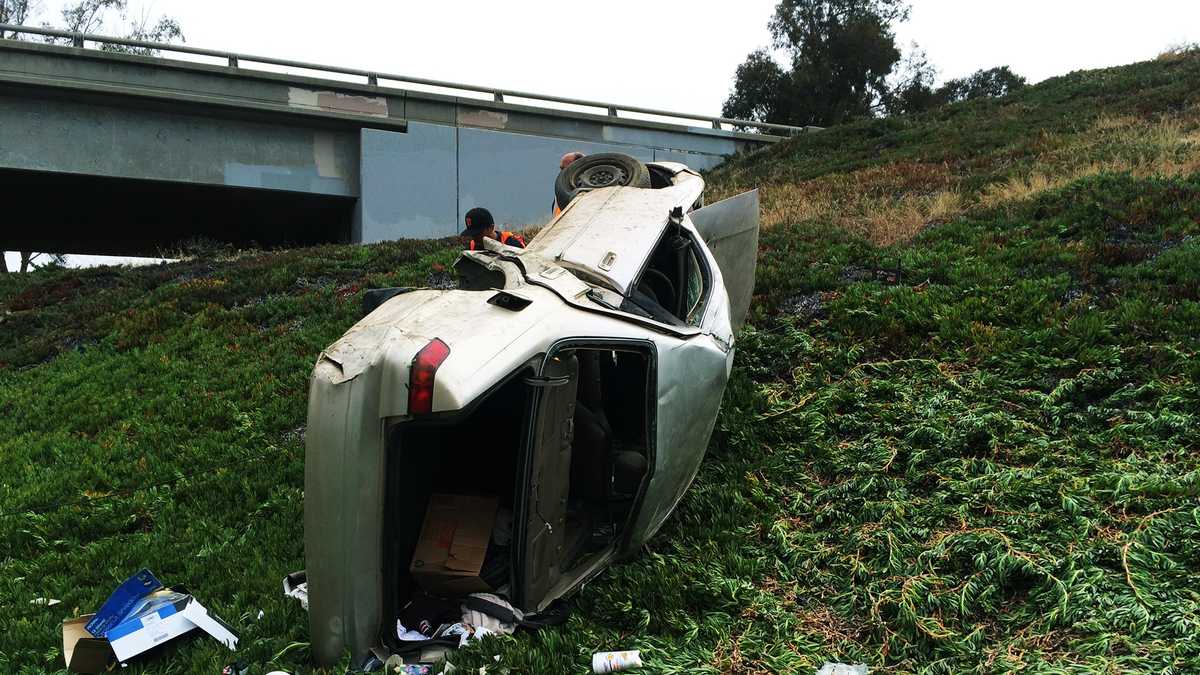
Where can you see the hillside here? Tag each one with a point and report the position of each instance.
(961, 434)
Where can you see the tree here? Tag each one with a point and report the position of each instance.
(16, 12)
(95, 16)
(757, 89)
(990, 83)
(917, 94)
(911, 85)
(841, 53)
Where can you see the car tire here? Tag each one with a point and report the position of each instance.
(606, 169)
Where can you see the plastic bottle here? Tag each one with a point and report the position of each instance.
(611, 662)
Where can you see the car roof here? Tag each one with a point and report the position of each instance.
(609, 233)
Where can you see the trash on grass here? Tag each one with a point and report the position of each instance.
(465, 632)
(396, 666)
(45, 602)
(295, 585)
(407, 634)
(611, 662)
(842, 669)
(491, 612)
(140, 615)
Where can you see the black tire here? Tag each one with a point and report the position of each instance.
(605, 169)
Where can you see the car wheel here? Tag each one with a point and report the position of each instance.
(606, 169)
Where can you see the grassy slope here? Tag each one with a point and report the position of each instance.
(971, 449)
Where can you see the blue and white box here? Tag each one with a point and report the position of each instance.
(140, 615)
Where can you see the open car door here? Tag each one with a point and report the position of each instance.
(730, 229)
(542, 510)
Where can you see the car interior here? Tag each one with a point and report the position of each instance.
(564, 454)
(674, 284)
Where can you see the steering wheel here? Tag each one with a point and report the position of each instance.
(663, 288)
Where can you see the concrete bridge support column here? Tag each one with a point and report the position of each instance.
(409, 184)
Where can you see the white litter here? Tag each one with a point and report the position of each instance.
(295, 585)
(408, 635)
(611, 662)
(842, 669)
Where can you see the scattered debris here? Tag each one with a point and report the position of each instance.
(842, 669)
(236, 668)
(45, 602)
(492, 613)
(395, 664)
(441, 279)
(805, 307)
(611, 662)
(294, 435)
(371, 664)
(855, 273)
(295, 585)
(140, 614)
(407, 634)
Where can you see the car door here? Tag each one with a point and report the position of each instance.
(542, 506)
(730, 231)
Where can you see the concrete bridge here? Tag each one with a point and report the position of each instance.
(104, 152)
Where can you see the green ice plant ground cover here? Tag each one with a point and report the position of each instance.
(973, 451)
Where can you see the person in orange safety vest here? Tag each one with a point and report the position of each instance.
(565, 161)
(479, 224)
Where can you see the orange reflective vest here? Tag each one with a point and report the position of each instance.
(507, 238)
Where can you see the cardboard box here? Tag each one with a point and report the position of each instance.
(139, 616)
(453, 543)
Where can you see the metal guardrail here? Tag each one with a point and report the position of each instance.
(236, 60)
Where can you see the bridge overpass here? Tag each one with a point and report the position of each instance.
(104, 152)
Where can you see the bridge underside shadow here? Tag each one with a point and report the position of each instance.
(68, 213)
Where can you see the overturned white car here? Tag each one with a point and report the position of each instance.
(569, 388)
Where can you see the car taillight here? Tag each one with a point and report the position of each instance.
(420, 376)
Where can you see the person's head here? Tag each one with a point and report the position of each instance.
(479, 224)
(568, 158)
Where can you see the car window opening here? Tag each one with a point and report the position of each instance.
(574, 446)
(673, 287)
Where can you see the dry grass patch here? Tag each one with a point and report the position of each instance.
(890, 222)
(891, 203)
(885, 204)
(1166, 147)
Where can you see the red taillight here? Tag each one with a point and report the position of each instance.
(420, 376)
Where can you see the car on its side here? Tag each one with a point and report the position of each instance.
(575, 382)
